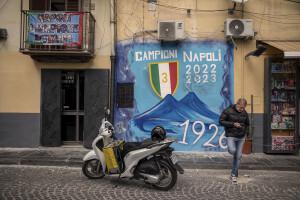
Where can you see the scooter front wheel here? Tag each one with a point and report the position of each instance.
(93, 169)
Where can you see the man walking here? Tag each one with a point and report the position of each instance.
(236, 122)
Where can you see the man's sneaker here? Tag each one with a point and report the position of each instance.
(233, 179)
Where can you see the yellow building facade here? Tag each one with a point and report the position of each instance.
(131, 28)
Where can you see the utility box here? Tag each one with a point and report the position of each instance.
(3, 33)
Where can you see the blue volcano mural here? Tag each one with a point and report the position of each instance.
(204, 88)
(192, 101)
(175, 116)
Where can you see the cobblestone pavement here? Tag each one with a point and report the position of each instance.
(37, 182)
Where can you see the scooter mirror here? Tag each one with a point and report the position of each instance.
(107, 113)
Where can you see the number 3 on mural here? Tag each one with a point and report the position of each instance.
(207, 144)
(164, 77)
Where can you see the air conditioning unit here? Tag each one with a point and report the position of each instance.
(171, 30)
(238, 28)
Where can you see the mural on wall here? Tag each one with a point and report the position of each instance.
(182, 86)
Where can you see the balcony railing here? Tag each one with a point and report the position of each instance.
(69, 34)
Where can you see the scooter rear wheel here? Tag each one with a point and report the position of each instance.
(169, 176)
(93, 169)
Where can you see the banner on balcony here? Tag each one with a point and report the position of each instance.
(48, 28)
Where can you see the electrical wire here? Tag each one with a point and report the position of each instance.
(98, 49)
(268, 14)
(217, 10)
(248, 12)
(3, 5)
(262, 19)
(133, 15)
(124, 24)
(292, 17)
(284, 28)
(293, 1)
(281, 18)
(185, 9)
(206, 36)
(271, 20)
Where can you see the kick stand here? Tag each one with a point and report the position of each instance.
(116, 185)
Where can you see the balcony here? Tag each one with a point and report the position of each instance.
(49, 36)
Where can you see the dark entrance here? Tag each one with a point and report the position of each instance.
(73, 105)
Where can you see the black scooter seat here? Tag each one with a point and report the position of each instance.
(132, 146)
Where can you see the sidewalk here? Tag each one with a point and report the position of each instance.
(72, 157)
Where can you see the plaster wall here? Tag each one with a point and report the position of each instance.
(20, 75)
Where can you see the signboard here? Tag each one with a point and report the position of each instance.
(49, 28)
(183, 87)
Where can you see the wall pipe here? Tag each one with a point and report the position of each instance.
(112, 59)
(21, 9)
(252, 119)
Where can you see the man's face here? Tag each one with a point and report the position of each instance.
(240, 107)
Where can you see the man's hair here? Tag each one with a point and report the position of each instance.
(243, 101)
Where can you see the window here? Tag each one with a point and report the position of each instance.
(55, 5)
(125, 95)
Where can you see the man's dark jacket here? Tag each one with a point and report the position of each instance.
(229, 116)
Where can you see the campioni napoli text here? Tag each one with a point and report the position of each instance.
(188, 56)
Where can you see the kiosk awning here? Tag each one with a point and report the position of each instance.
(291, 49)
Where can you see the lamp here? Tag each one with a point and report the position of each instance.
(257, 52)
(188, 11)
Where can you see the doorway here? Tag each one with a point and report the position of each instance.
(72, 107)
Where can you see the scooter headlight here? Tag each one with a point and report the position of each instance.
(106, 132)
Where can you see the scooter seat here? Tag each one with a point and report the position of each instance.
(132, 146)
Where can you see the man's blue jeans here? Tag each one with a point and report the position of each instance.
(235, 148)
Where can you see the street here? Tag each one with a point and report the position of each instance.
(36, 182)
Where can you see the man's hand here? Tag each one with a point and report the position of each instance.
(237, 125)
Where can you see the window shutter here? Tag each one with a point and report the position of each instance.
(73, 5)
(38, 4)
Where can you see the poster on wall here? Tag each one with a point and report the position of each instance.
(49, 28)
(182, 86)
(283, 143)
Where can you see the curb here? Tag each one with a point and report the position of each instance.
(78, 163)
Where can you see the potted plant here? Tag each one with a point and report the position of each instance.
(247, 149)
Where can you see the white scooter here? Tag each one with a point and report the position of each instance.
(151, 160)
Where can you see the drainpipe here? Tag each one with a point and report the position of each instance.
(112, 59)
(252, 119)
